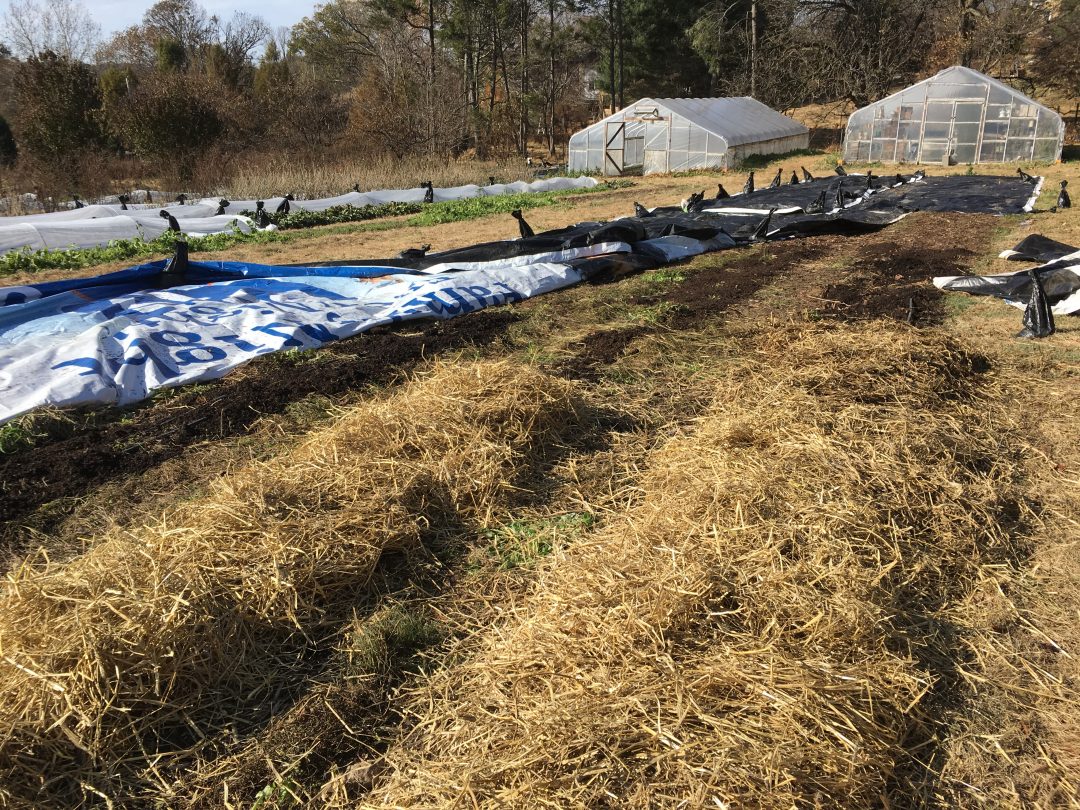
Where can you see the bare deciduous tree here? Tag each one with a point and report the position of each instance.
(62, 27)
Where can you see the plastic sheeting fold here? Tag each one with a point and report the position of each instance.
(1059, 277)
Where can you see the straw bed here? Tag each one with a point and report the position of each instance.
(118, 661)
(775, 624)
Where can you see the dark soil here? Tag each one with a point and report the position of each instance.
(708, 293)
(134, 440)
(600, 349)
(886, 285)
(701, 297)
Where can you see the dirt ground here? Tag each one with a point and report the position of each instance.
(645, 352)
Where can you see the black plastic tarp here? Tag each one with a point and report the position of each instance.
(848, 205)
(1060, 279)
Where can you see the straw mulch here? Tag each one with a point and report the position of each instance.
(776, 623)
(116, 666)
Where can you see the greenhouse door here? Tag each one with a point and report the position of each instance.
(952, 128)
(614, 147)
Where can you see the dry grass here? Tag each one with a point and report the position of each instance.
(786, 618)
(116, 665)
(322, 179)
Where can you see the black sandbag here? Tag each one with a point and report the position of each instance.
(173, 224)
(788, 196)
(523, 227)
(262, 219)
(1038, 318)
(175, 273)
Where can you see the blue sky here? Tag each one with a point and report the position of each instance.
(115, 15)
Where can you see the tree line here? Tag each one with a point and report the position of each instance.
(184, 88)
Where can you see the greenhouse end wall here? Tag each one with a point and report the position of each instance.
(664, 143)
(959, 114)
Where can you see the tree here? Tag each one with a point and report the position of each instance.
(58, 101)
(173, 118)
(8, 151)
(272, 75)
(170, 55)
(1056, 61)
(183, 21)
(867, 47)
(61, 27)
(238, 39)
(677, 69)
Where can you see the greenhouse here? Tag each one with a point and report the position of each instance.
(659, 135)
(959, 115)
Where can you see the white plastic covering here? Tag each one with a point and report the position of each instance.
(958, 112)
(679, 134)
(124, 225)
(97, 225)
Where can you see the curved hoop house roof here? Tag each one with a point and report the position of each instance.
(678, 134)
(958, 112)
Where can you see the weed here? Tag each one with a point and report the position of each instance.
(955, 304)
(16, 435)
(309, 410)
(277, 795)
(761, 161)
(667, 276)
(523, 542)
(388, 638)
(652, 314)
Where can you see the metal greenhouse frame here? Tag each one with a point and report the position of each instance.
(958, 113)
(659, 135)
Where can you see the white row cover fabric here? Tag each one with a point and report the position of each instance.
(119, 350)
(83, 233)
(97, 225)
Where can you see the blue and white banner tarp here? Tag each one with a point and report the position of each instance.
(109, 344)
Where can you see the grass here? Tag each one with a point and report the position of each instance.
(15, 435)
(523, 542)
(761, 161)
(388, 638)
(274, 176)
